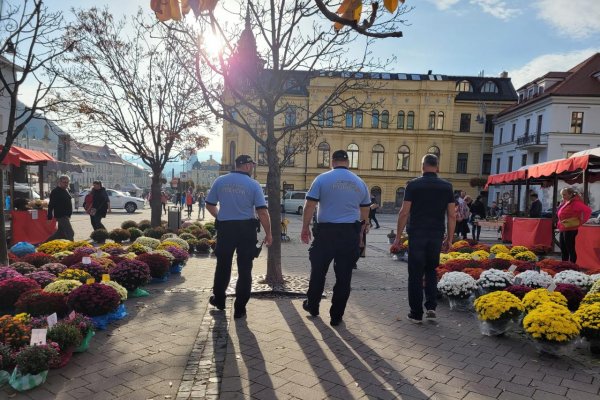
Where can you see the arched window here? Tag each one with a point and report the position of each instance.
(376, 192)
(431, 121)
(385, 119)
(434, 150)
(403, 158)
(321, 118)
(262, 155)
(232, 153)
(377, 157)
(349, 118)
(358, 119)
(464, 86)
(329, 117)
(399, 197)
(489, 87)
(323, 155)
(400, 122)
(440, 121)
(352, 155)
(410, 120)
(375, 119)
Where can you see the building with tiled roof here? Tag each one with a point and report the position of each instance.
(557, 115)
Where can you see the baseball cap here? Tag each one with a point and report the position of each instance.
(339, 155)
(244, 159)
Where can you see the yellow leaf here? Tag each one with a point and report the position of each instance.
(175, 10)
(391, 5)
(348, 6)
(357, 12)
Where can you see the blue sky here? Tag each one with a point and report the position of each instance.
(464, 37)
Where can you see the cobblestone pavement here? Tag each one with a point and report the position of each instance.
(173, 345)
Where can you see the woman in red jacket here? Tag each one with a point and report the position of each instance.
(572, 213)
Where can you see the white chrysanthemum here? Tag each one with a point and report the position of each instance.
(534, 279)
(495, 279)
(576, 278)
(457, 284)
(148, 242)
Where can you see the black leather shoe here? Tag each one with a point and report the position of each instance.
(239, 314)
(313, 312)
(213, 302)
(335, 321)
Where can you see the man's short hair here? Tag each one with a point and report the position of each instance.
(534, 195)
(97, 183)
(64, 178)
(430, 160)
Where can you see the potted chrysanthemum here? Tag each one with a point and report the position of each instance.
(551, 327)
(458, 287)
(589, 317)
(32, 364)
(495, 310)
(494, 279)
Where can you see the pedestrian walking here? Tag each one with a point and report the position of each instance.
(100, 205)
(372, 212)
(163, 200)
(428, 200)
(572, 213)
(189, 201)
(342, 215)
(233, 201)
(201, 205)
(477, 214)
(60, 208)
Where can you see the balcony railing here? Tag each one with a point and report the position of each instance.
(530, 140)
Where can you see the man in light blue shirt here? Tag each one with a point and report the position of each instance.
(238, 197)
(344, 202)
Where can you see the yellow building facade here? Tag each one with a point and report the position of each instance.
(413, 115)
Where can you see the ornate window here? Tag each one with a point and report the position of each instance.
(431, 121)
(434, 150)
(440, 121)
(403, 161)
(377, 157)
(410, 120)
(349, 119)
(375, 119)
(352, 155)
(400, 122)
(385, 119)
(464, 86)
(329, 117)
(323, 155)
(358, 119)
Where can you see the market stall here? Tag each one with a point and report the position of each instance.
(530, 232)
(587, 246)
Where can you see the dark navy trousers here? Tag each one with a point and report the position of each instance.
(423, 258)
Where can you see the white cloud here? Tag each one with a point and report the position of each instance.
(548, 62)
(444, 4)
(576, 18)
(497, 8)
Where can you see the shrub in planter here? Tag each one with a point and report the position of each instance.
(54, 246)
(38, 303)
(7, 358)
(8, 273)
(53, 268)
(186, 236)
(159, 265)
(180, 255)
(74, 274)
(179, 242)
(209, 226)
(138, 249)
(131, 274)
(38, 259)
(105, 262)
(11, 289)
(33, 360)
(94, 300)
(95, 269)
(119, 235)
(99, 235)
(203, 246)
(164, 253)
(65, 286)
(119, 288)
(193, 244)
(144, 224)
(81, 322)
(66, 335)
(168, 236)
(43, 278)
(155, 232)
(573, 294)
(13, 333)
(134, 233)
(80, 244)
(23, 267)
(128, 224)
(148, 242)
(77, 256)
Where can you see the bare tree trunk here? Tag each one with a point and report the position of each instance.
(274, 273)
(3, 244)
(155, 202)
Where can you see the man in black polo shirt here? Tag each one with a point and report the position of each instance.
(427, 200)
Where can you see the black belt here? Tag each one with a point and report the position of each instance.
(335, 224)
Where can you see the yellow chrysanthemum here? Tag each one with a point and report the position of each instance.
(588, 316)
(444, 258)
(526, 256)
(498, 305)
(537, 297)
(504, 256)
(551, 322)
(517, 249)
(499, 248)
(481, 255)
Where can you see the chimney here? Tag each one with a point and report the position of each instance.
(504, 74)
(210, 156)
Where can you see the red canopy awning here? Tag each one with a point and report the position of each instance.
(548, 169)
(506, 178)
(18, 155)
